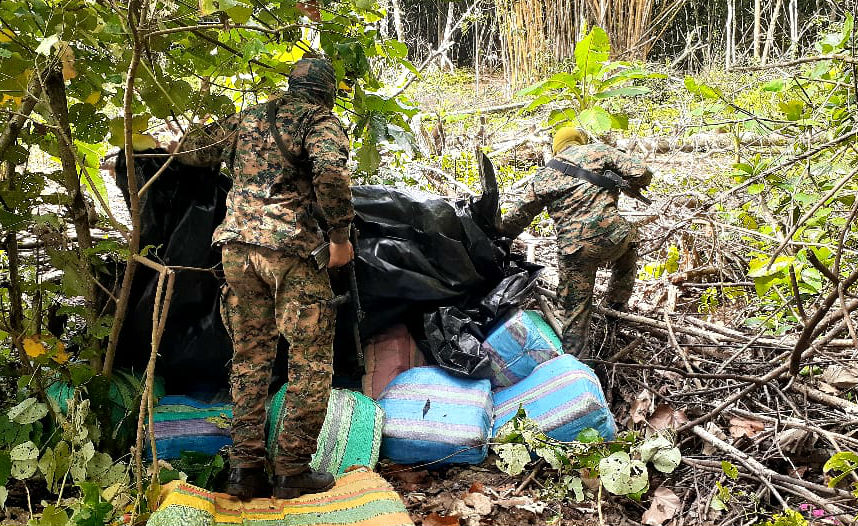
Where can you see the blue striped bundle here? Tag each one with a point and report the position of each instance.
(516, 346)
(185, 424)
(563, 396)
(431, 415)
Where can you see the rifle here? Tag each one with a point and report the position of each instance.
(321, 255)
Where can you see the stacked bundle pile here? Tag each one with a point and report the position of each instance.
(436, 418)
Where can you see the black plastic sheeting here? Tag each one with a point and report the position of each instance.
(436, 265)
(179, 213)
(417, 251)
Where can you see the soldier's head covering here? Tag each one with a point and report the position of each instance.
(315, 78)
(566, 137)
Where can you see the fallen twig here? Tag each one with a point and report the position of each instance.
(527, 480)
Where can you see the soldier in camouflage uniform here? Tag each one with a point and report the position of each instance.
(590, 230)
(267, 237)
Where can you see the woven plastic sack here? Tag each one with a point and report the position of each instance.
(185, 424)
(432, 416)
(350, 435)
(516, 346)
(392, 352)
(563, 396)
(359, 497)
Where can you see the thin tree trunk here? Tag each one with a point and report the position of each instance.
(758, 27)
(770, 35)
(793, 27)
(477, 52)
(55, 91)
(397, 20)
(16, 309)
(134, 11)
(16, 123)
(728, 35)
(448, 32)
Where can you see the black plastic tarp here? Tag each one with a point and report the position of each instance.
(179, 213)
(416, 253)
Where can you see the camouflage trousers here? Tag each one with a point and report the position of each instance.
(578, 278)
(272, 293)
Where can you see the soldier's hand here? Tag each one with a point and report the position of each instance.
(340, 254)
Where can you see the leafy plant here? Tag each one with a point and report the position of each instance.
(619, 465)
(845, 463)
(587, 92)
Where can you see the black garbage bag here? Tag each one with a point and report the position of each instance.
(454, 336)
(511, 292)
(416, 253)
(178, 216)
(455, 341)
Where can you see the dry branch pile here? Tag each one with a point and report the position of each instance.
(726, 391)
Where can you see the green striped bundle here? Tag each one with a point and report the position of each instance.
(350, 436)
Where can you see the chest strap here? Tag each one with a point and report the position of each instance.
(608, 180)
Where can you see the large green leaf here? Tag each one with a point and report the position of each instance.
(90, 125)
(701, 90)
(625, 91)
(592, 51)
(24, 460)
(621, 475)
(28, 411)
(595, 119)
(512, 458)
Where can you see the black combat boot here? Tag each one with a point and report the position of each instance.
(310, 481)
(248, 483)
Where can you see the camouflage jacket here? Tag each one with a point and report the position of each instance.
(272, 198)
(581, 211)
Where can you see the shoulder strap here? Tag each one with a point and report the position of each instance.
(608, 179)
(272, 126)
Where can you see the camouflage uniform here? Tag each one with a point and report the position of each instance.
(267, 236)
(590, 232)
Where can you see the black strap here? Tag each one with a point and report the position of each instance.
(272, 126)
(608, 179)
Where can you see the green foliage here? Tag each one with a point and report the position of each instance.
(807, 202)
(787, 518)
(844, 462)
(185, 75)
(586, 94)
(655, 269)
(621, 465)
(198, 468)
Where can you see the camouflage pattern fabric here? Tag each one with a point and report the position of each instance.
(590, 231)
(577, 280)
(272, 198)
(272, 293)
